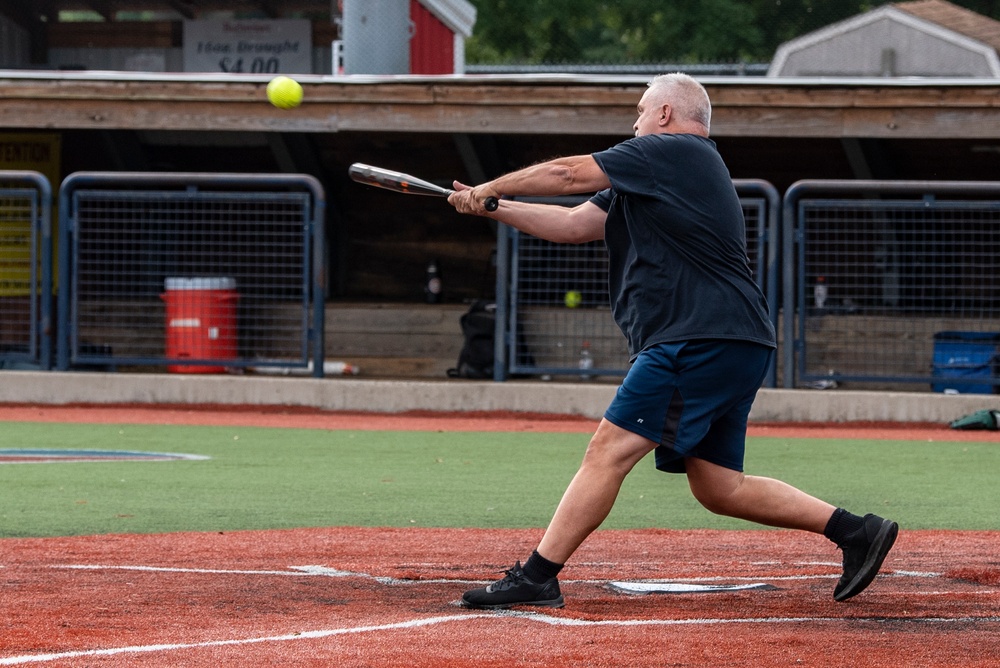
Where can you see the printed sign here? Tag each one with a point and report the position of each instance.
(250, 46)
(38, 152)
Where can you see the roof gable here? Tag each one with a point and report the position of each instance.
(951, 16)
(458, 15)
(846, 32)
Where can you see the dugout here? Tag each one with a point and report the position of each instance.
(475, 127)
(104, 118)
(471, 128)
(780, 130)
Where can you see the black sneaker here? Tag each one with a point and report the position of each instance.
(864, 552)
(514, 589)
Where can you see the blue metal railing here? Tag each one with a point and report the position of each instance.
(882, 282)
(883, 274)
(26, 276)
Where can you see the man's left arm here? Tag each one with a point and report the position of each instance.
(562, 176)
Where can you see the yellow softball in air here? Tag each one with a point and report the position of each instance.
(284, 92)
(573, 299)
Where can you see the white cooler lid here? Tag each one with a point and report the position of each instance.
(202, 283)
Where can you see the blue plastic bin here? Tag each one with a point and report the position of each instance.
(965, 360)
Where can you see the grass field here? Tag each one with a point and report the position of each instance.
(268, 478)
(349, 546)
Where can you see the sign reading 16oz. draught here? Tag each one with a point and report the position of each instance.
(251, 46)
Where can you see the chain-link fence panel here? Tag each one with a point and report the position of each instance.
(198, 272)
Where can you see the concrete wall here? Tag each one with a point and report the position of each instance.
(586, 399)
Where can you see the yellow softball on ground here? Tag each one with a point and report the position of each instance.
(284, 92)
(573, 299)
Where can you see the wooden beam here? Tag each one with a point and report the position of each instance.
(491, 107)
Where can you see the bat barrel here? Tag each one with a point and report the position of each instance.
(404, 183)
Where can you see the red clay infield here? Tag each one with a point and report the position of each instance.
(348, 596)
(311, 418)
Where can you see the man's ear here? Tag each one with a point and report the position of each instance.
(664, 118)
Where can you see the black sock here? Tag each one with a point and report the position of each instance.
(841, 525)
(539, 569)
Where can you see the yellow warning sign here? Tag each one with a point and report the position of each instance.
(38, 152)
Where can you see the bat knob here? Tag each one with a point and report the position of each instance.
(491, 204)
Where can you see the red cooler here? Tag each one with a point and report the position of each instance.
(201, 322)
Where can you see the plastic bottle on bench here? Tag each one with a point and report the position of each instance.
(820, 292)
(433, 289)
(586, 360)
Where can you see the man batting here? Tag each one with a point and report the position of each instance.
(698, 332)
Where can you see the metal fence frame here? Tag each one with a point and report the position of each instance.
(35, 188)
(863, 193)
(777, 247)
(763, 247)
(68, 352)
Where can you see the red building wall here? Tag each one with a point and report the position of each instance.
(432, 45)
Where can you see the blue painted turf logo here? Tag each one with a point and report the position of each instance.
(28, 456)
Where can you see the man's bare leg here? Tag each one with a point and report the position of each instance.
(613, 452)
(762, 500)
(865, 540)
(588, 499)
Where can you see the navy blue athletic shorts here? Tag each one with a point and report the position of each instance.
(692, 399)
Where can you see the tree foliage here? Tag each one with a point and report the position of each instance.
(653, 31)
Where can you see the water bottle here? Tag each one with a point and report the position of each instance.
(586, 360)
(820, 292)
(432, 283)
(340, 369)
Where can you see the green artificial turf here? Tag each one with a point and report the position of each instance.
(264, 478)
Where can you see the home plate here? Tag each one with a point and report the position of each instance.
(642, 588)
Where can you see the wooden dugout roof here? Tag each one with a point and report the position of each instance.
(543, 104)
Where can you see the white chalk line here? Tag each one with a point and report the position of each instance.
(570, 621)
(432, 621)
(780, 578)
(296, 571)
(326, 571)
(649, 585)
(304, 635)
(643, 586)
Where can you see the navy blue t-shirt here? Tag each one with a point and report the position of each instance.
(676, 242)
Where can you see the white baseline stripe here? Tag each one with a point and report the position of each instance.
(296, 571)
(569, 621)
(138, 649)
(326, 571)
(169, 569)
(430, 621)
(742, 578)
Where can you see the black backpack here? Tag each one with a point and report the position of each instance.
(478, 327)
